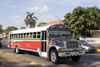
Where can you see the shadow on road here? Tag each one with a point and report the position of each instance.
(88, 60)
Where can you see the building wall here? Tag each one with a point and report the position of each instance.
(95, 38)
(96, 34)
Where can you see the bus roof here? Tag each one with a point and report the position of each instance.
(37, 29)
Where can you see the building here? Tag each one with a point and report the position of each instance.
(53, 22)
(94, 39)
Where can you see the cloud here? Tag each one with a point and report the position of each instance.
(36, 8)
(44, 9)
(9, 1)
(46, 18)
(17, 19)
(32, 9)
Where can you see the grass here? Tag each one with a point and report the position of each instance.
(95, 44)
(13, 58)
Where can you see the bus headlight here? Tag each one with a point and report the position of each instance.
(61, 49)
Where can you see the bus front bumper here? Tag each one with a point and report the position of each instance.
(69, 54)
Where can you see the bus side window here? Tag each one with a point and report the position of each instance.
(31, 35)
(27, 36)
(21, 36)
(12, 35)
(38, 34)
(34, 35)
(18, 35)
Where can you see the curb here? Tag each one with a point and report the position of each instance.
(37, 64)
(98, 50)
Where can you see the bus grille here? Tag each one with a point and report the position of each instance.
(72, 44)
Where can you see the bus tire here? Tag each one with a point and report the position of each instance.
(14, 50)
(17, 50)
(54, 57)
(76, 58)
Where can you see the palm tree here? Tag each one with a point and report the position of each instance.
(30, 20)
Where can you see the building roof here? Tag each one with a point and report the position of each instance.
(53, 22)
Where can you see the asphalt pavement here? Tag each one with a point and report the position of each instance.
(87, 60)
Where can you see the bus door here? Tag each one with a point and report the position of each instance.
(43, 44)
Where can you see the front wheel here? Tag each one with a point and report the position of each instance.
(76, 58)
(54, 56)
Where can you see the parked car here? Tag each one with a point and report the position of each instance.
(0, 44)
(87, 47)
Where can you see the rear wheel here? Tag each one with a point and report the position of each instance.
(17, 50)
(76, 58)
(54, 56)
(0, 45)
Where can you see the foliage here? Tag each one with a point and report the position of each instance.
(10, 28)
(83, 20)
(41, 23)
(23, 27)
(1, 30)
(30, 20)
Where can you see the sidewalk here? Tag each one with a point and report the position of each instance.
(9, 64)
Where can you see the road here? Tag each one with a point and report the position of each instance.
(87, 60)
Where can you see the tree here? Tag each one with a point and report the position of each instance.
(23, 27)
(1, 30)
(41, 23)
(10, 28)
(83, 20)
(30, 20)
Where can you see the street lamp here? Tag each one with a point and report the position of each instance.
(58, 19)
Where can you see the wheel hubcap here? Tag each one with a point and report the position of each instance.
(16, 49)
(53, 57)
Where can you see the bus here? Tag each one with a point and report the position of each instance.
(52, 42)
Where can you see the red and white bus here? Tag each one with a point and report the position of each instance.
(52, 42)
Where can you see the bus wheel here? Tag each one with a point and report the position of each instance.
(76, 58)
(17, 50)
(54, 56)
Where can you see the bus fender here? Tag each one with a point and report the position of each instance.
(49, 51)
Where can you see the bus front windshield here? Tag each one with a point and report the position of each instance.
(59, 34)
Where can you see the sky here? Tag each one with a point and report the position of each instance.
(13, 12)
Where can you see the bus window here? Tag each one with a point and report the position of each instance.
(34, 35)
(38, 34)
(18, 35)
(31, 35)
(27, 36)
(21, 36)
(65, 34)
(54, 34)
